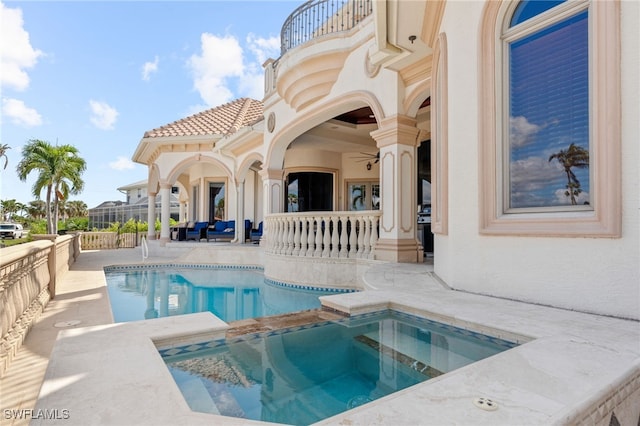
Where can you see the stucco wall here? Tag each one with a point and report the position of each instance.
(597, 275)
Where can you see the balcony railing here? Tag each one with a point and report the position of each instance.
(350, 235)
(316, 18)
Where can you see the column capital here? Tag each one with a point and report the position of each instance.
(271, 174)
(398, 129)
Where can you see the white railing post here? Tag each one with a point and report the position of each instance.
(353, 239)
(318, 251)
(335, 236)
(374, 235)
(360, 237)
(311, 237)
(326, 241)
(303, 237)
(343, 236)
(288, 236)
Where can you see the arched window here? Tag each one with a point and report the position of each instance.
(550, 90)
(546, 51)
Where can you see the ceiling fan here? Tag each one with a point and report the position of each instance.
(368, 157)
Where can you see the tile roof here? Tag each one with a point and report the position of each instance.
(221, 120)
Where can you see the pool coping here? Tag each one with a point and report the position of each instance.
(569, 366)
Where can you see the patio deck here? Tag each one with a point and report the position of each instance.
(575, 368)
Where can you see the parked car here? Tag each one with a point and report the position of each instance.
(12, 230)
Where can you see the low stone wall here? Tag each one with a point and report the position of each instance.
(28, 275)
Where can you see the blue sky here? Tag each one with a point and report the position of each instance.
(97, 75)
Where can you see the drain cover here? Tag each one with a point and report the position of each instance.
(70, 323)
(485, 404)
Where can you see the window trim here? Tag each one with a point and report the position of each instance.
(604, 220)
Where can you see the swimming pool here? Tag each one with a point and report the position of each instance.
(305, 374)
(230, 292)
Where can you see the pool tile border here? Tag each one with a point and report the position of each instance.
(145, 266)
(213, 344)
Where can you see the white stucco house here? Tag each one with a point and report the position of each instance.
(515, 122)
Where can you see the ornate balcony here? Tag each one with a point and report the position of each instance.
(316, 18)
(329, 31)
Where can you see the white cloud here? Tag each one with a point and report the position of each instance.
(263, 48)
(221, 59)
(522, 132)
(150, 67)
(224, 70)
(103, 116)
(530, 175)
(122, 163)
(19, 113)
(563, 199)
(17, 55)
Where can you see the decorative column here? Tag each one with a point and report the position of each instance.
(273, 185)
(183, 211)
(202, 202)
(151, 216)
(273, 190)
(165, 209)
(397, 139)
(240, 237)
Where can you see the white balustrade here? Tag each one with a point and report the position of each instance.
(351, 235)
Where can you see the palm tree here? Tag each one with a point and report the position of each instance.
(9, 209)
(60, 169)
(77, 208)
(61, 209)
(3, 153)
(577, 157)
(37, 209)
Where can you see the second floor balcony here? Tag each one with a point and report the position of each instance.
(314, 48)
(317, 18)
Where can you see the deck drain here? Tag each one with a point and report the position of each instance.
(70, 323)
(485, 404)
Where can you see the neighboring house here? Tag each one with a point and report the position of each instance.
(515, 121)
(135, 207)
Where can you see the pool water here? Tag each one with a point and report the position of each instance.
(306, 374)
(230, 293)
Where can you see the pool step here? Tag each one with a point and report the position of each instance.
(197, 396)
(407, 360)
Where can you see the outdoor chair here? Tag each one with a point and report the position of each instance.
(197, 231)
(256, 234)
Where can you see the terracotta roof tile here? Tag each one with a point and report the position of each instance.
(221, 120)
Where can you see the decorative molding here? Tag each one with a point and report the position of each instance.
(370, 69)
(440, 140)
(407, 217)
(419, 71)
(311, 79)
(388, 188)
(271, 122)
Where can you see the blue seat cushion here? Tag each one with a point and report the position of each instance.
(220, 226)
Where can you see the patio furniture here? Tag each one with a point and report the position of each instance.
(226, 230)
(256, 234)
(198, 231)
(222, 229)
(179, 232)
